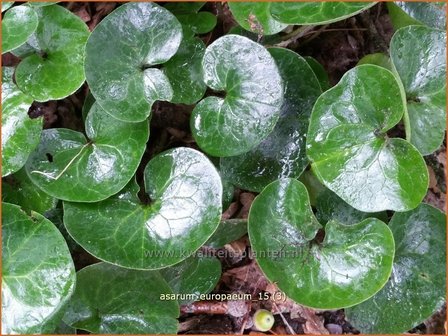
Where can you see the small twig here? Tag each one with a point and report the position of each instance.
(294, 35)
(291, 330)
(233, 308)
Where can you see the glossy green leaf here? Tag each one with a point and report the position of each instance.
(350, 150)
(121, 55)
(185, 194)
(6, 5)
(418, 54)
(314, 13)
(404, 13)
(20, 133)
(184, 71)
(416, 288)
(56, 68)
(228, 231)
(185, 7)
(237, 123)
(282, 153)
(115, 300)
(197, 23)
(348, 266)
(18, 24)
(379, 59)
(256, 17)
(228, 191)
(19, 189)
(71, 167)
(192, 277)
(88, 103)
(330, 207)
(313, 186)
(320, 72)
(38, 275)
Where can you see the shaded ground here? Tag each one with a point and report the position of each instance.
(338, 47)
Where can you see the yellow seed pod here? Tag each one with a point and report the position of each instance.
(263, 320)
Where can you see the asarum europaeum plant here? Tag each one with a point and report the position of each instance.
(351, 232)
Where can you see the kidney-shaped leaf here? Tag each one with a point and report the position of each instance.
(192, 277)
(114, 300)
(314, 13)
(70, 167)
(350, 150)
(18, 24)
(351, 264)
(418, 54)
(20, 133)
(135, 37)
(416, 288)
(184, 71)
(405, 13)
(184, 210)
(282, 153)
(228, 231)
(253, 88)
(38, 272)
(56, 68)
(256, 17)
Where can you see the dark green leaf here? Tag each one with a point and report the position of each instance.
(38, 272)
(228, 231)
(237, 123)
(282, 153)
(313, 185)
(330, 207)
(418, 54)
(351, 264)
(121, 56)
(56, 68)
(416, 288)
(320, 72)
(184, 210)
(350, 150)
(184, 7)
(71, 167)
(403, 13)
(193, 277)
(20, 133)
(18, 189)
(256, 17)
(115, 300)
(314, 13)
(184, 71)
(379, 59)
(197, 23)
(88, 103)
(18, 24)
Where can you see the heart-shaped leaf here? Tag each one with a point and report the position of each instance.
(404, 13)
(20, 133)
(19, 189)
(197, 23)
(315, 13)
(416, 288)
(18, 24)
(228, 231)
(282, 153)
(56, 68)
(256, 17)
(348, 266)
(350, 150)
(184, 7)
(38, 272)
(253, 88)
(331, 207)
(192, 277)
(184, 71)
(71, 167)
(115, 300)
(135, 37)
(418, 55)
(184, 210)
